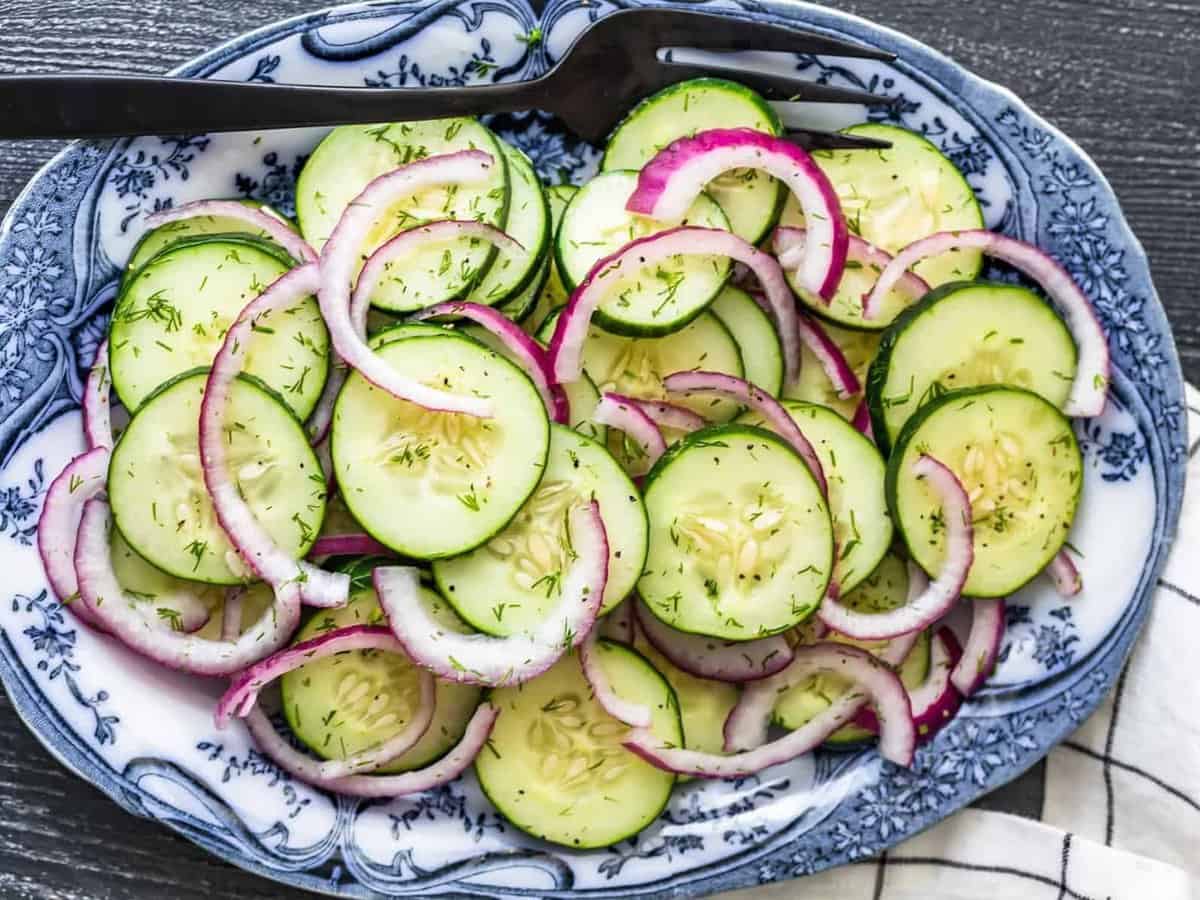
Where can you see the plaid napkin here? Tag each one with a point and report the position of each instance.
(1121, 812)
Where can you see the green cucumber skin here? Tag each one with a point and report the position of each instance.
(913, 426)
(877, 374)
(547, 235)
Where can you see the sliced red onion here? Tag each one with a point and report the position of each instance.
(618, 623)
(669, 184)
(348, 545)
(982, 645)
(790, 246)
(1065, 575)
(1090, 388)
(85, 477)
(231, 613)
(277, 230)
(705, 657)
(636, 715)
(119, 613)
(829, 355)
(670, 415)
(97, 407)
(242, 695)
(862, 420)
(760, 401)
(528, 353)
(566, 345)
(935, 701)
(872, 680)
(342, 254)
(306, 768)
(484, 660)
(926, 603)
(624, 413)
(252, 542)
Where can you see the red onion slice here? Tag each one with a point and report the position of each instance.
(342, 254)
(982, 645)
(790, 245)
(862, 420)
(873, 681)
(348, 545)
(484, 660)
(1090, 388)
(833, 362)
(85, 477)
(760, 401)
(618, 623)
(624, 413)
(566, 345)
(237, 520)
(231, 613)
(97, 406)
(926, 603)
(669, 415)
(525, 350)
(305, 768)
(1065, 575)
(242, 695)
(705, 657)
(278, 231)
(636, 715)
(118, 612)
(321, 417)
(669, 184)
(935, 701)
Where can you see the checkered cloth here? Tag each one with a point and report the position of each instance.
(1121, 813)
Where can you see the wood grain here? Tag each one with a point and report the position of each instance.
(1121, 76)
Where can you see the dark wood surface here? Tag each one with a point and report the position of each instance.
(1123, 78)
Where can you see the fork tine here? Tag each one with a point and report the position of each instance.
(813, 139)
(689, 28)
(773, 86)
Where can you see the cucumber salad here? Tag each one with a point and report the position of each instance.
(676, 474)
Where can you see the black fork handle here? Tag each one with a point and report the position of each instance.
(99, 106)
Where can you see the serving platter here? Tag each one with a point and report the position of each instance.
(146, 737)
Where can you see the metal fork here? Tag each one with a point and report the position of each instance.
(613, 63)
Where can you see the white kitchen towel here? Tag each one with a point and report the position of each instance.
(1121, 811)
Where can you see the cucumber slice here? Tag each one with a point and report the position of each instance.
(757, 339)
(751, 199)
(508, 585)
(528, 223)
(162, 593)
(158, 239)
(555, 766)
(894, 197)
(350, 702)
(402, 330)
(430, 484)
(741, 544)
(521, 306)
(1018, 459)
(859, 348)
(173, 314)
(553, 293)
(855, 473)
(657, 300)
(353, 155)
(157, 492)
(964, 335)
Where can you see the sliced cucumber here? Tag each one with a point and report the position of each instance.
(353, 155)
(657, 300)
(855, 473)
(751, 199)
(402, 330)
(528, 223)
(859, 348)
(508, 585)
(520, 307)
(757, 339)
(173, 313)
(156, 487)
(165, 596)
(582, 398)
(430, 484)
(964, 335)
(845, 308)
(1016, 456)
(894, 197)
(553, 293)
(350, 702)
(741, 544)
(554, 765)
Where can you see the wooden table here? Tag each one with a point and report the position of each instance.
(1120, 76)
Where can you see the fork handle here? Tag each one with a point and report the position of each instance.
(98, 106)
